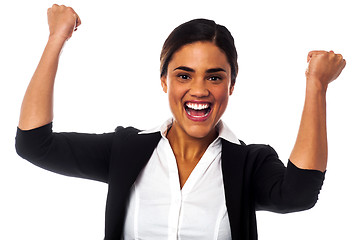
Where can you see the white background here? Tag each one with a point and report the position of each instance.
(109, 76)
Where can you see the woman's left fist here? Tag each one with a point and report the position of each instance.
(324, 66)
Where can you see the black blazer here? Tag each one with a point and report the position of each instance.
(254, 178)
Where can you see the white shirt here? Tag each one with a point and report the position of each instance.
(159, 209)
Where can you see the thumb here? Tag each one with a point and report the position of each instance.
(77, 22)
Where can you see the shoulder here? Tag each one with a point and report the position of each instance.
(126, 130)
(261, 150)
(126, 135)
(251, 150)
(252, 157)
(130, 136)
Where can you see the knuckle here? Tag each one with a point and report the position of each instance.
(69, 10)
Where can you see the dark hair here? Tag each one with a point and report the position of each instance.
(199, 30)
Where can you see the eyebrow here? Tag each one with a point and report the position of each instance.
(211, 70)
(184, 69)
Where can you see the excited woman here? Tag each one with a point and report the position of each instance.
(190, 178)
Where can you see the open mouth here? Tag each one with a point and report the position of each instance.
(197, 111)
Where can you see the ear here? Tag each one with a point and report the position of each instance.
(231, 89)
(163, 81)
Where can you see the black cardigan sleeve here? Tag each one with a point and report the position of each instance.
(72, 154)
(284, 189)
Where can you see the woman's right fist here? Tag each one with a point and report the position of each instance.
(62, 21)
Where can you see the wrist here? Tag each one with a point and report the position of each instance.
(316, 85)
(56, 39)
(54, 46)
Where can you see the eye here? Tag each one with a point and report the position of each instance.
(215, 78)
(183, 76)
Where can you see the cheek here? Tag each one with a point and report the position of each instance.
(221, 94)
(175, 94)
(221, 98)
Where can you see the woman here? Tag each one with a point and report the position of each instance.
(190, 178)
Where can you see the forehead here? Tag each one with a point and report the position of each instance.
(202, 55)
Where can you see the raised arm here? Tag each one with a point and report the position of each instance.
(73, 154)
(37, 106)
(310, 150)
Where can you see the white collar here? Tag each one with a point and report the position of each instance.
(223, 131)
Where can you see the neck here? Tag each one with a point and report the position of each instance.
(187, 148)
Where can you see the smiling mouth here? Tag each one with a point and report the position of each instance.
(197, 111)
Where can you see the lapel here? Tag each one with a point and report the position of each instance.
(131, 152)
(135, 151)
(233, 170)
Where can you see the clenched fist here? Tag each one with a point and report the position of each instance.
(324, 67)
(62, 21)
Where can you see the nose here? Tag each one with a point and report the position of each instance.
(199, 89)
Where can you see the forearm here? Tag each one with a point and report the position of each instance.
(310, 150)
(37, 106)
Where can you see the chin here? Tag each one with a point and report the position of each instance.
(197, 131)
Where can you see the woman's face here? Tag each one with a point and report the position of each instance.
(198, 83)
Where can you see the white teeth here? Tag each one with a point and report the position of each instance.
(197, 106)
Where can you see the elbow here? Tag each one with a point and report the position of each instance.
(24, 148)
(301, 188)
(306, 205)
(288, 203)
(298, 203)
(310, 202)
(21, 146)
(32, 144)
